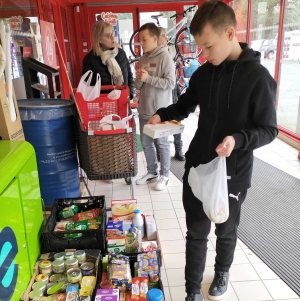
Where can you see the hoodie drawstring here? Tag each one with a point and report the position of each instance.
(211, 85)
(228, 100)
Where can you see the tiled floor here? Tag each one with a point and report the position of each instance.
(250, 278)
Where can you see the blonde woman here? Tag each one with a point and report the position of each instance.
(107, 59)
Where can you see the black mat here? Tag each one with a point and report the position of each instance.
(270, 219)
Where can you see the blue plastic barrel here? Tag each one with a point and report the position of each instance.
(49, 126)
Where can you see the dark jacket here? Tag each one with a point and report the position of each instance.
(236, 98)
(94, 63)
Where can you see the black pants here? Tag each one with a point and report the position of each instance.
(198, 228)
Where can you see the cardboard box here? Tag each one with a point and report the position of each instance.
(9, 130)
(123, 209)
(150, 227)
(163, 129)
(90, 254)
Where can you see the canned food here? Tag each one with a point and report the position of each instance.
(50, 284)
(58, 266)
(56, 288)
(39, 285)
(61, 297)
(41, 299)
(74, 275)
(69, 255)
(55, 277)
(59, 256)
(42, 277)
(80, 256)
(45, 267)
(71, 263)
(34, 294)
(87, 268)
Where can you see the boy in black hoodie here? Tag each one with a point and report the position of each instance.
(236, 95)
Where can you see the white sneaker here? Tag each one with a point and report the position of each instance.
(146, 178)
(161, 183)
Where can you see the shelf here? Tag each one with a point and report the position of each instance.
(44, 89)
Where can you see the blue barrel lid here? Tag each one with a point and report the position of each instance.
(52, 103)
(155, 294)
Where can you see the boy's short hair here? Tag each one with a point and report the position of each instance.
(152, 28)
(217, 13)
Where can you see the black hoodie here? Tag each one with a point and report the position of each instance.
(236, 98)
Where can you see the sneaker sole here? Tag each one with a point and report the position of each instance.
(148, 180)
(216, 298)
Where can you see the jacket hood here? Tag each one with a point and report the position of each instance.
(247, 55)
(158, 50)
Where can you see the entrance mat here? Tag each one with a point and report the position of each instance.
(270, 219)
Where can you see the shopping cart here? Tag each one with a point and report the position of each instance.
(106, 154)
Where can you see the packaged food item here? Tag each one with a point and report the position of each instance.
(56, 288)
(155, 295)
(68, 212)
(83, 298)
(148, 246)
(163, 129)
(128, 296)
(106, 292)
(87, 214)
(55, 277)
(72, 288)
(150, 227)
(43, 298)
(58, 266)
(131, 241)
(39, 285)
(53, 297)
(42, 277)
(153, 277)
(143, 288)
(72, 296)
(71, 263)
(135, 291)
(45, 267)
(147, 262)
(138, 221)
(59, 256)
(73, 235)
(87, 268)
(135, 266)
(116, 245)
(122, 296)
(61, 226)
(74, 275)
(69, 255)
(114, 230)
(34, 294)
(80, 256)
(123, 209)
(61, 297)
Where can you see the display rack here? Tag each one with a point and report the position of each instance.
(31, 67)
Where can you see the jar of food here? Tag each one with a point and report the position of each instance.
(58, 266)
(55, 277)
(71, 263)
(155, 294)
(42, 277)
(87, 268)
(56, 288)
(74, 275)
(59, 256)
(45, 267)
(50, 284)
(69, 255)
(34, 294)
(106, 284)
(80, 256)
(39, 285)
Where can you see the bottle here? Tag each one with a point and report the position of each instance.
(68, 212)
(131, 241)
(155, 294)
(134, 229)
(138, 221)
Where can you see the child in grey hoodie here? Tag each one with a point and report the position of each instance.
(155, 79)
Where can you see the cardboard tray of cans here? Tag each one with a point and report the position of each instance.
(91, 239)
(91, 255)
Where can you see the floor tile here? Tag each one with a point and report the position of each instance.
(163, 277)
(175, 189)
(144, 198)
(240, 257)
(242, 245)
(208, 275)
(170, 234)
(164, 214)
(173, 246)
(251, 291)
(243, 272)
(180, 212)
(174, 261)
(160, 198)
(177, 293)
(175, 276)
(231, 296)
(279, 290)
(121, 194)
(171, 223)
(210, 258)
(167, 293)
(178, 204)
(144, 207)
(264, 272)
(182, 222)
(176, 197)
(163, 205)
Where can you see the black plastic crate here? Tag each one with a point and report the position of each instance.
(91, 239)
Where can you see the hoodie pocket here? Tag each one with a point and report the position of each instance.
(231, 163)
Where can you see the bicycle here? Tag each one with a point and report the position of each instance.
(184, 41)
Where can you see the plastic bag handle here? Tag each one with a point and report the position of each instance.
(106, 123)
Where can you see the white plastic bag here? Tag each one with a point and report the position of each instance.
(89, 92)
(209, 184)
(111, 120)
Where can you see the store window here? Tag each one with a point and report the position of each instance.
(288, 110)
(240, 8)
(264, 31)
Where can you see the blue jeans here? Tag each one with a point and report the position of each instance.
(150, 153)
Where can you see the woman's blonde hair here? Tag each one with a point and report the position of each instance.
(97, 33)
(162, 30)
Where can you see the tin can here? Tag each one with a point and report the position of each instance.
(56, 288)
(69, 255)
(71, 263)
(45, 267)
(41, 299)
(58, 266)
(61, 297)
(39, 285)
(74, 275)
(87, 268)
(50, 284)
(35, 293)
(42, 277)
(59, 256)
(80, 256)
(55, 277)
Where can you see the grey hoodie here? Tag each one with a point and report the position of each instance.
(156, 92)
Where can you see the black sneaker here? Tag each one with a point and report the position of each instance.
(218, 288)
(194, 297)
(179, 156)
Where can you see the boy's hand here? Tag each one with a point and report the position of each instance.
(154, 119)
(143, 75)
(225, 148)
